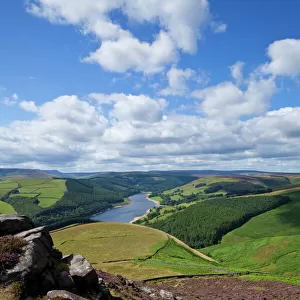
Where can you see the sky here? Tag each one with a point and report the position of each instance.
(121, 85)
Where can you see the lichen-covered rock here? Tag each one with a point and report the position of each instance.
(35, 257)
(12, 224)
(166, 295)
(83, 274)
(40, 234)
(63, 294)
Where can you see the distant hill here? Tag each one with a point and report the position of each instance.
(36, 173)
(24, 173)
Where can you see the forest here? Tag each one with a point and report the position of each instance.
(205, 223)
(81, 200)
(86, 197)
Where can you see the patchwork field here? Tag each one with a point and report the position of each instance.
(47, 191)
(269, 242)
(136, 252)
(197, 187)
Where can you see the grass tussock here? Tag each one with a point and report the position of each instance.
(12, 292)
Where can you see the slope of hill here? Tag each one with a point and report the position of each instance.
(138, 252)
(210, 187)
(204, 223)
(269, 242)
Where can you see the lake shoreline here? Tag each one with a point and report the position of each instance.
(126, 212)
(157, 204)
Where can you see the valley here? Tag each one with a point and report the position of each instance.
(137, 206)
(240, 225)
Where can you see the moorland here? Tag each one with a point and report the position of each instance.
(211, 223)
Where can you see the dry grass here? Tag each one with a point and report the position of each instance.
(135, 271)
(12, 292)
(109, 241)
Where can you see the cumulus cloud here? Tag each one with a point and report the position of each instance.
(178, 79)
(10, 101)
(226, 100)
(128, 53)
(218, 27)
(71, 133)
(181, 24)
(285, 58)
(237, 71)
(29, 106)
(139, 108)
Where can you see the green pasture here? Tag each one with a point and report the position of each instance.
(6, 208)
(190, 188)
(124, 248)
(6, 186)
(269, 242)
(48, 191)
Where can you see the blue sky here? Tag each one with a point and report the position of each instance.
(138, 85)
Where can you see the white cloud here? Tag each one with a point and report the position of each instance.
(237, 72)
(285, 58)
(128, 53)
(28, 106)
(180, 22)
(218, 27)
(227, 100)
(177, 79)
(72, 134)
(10, 101)
(139, 108)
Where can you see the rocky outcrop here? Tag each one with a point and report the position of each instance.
(83, 274)
(12, 224)
(42, 269)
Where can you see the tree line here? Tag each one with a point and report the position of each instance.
(205, 223)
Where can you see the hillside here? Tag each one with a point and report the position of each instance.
(138, 252)
(196, 204)
(269, 242)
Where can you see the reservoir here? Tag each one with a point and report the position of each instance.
(125, 214)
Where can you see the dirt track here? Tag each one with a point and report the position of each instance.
(190, 249)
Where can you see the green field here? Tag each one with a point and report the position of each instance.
(269, 242)
(191, 188)
(48, 191)
(6, 208)
(136, 252)
(156, 198)
(6, 186)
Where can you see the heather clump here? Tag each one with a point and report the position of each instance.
(10, 250)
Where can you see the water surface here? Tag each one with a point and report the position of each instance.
(138, 207)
